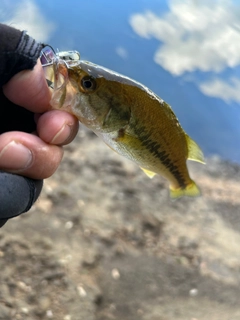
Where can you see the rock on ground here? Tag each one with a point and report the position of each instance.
(105, 242)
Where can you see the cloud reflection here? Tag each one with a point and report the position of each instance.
(27, 16)
(195, 35)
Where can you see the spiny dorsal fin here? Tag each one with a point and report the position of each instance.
(194, 151)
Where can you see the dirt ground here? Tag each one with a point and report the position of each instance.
(105, 242)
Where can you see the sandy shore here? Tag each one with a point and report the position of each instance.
(105, 242)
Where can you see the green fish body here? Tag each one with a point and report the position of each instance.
(130, 119)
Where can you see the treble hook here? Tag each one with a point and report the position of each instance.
(48, 57)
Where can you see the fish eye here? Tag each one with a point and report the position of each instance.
(88, 83)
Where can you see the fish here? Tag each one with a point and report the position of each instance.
(130, 118)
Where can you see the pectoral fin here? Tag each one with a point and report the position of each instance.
(194, 151)
(149, 173)
(127, 139)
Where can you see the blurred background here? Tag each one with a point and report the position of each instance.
(187, 52)
(104, 241)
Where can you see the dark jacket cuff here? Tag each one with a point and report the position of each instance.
(18, 51)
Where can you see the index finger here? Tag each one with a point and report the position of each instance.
(29, 89)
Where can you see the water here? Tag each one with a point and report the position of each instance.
(187, 52)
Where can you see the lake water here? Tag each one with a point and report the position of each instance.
(187, 52)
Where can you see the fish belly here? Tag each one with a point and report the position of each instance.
(150, 159)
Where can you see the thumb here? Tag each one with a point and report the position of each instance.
(29, 89)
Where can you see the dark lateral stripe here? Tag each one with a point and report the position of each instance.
(154, 147)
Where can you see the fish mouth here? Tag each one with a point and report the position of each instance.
(56, 64)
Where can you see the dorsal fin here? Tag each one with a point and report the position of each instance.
(194, 151)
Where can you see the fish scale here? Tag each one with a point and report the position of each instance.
(130, 119)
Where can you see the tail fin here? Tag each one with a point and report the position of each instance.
(191, 190)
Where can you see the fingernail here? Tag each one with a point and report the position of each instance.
(63, 135)
(15, 156)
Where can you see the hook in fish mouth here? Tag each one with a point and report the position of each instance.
(49, 57)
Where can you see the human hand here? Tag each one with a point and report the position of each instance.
(31, 135)
(35, 155)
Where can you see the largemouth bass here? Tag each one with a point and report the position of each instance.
(130, 119)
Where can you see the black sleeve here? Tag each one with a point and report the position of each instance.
(17, 195)
(18, 52)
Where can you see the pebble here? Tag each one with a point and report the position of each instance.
(115, 274)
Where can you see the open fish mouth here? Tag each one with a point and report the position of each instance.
(51, 61)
